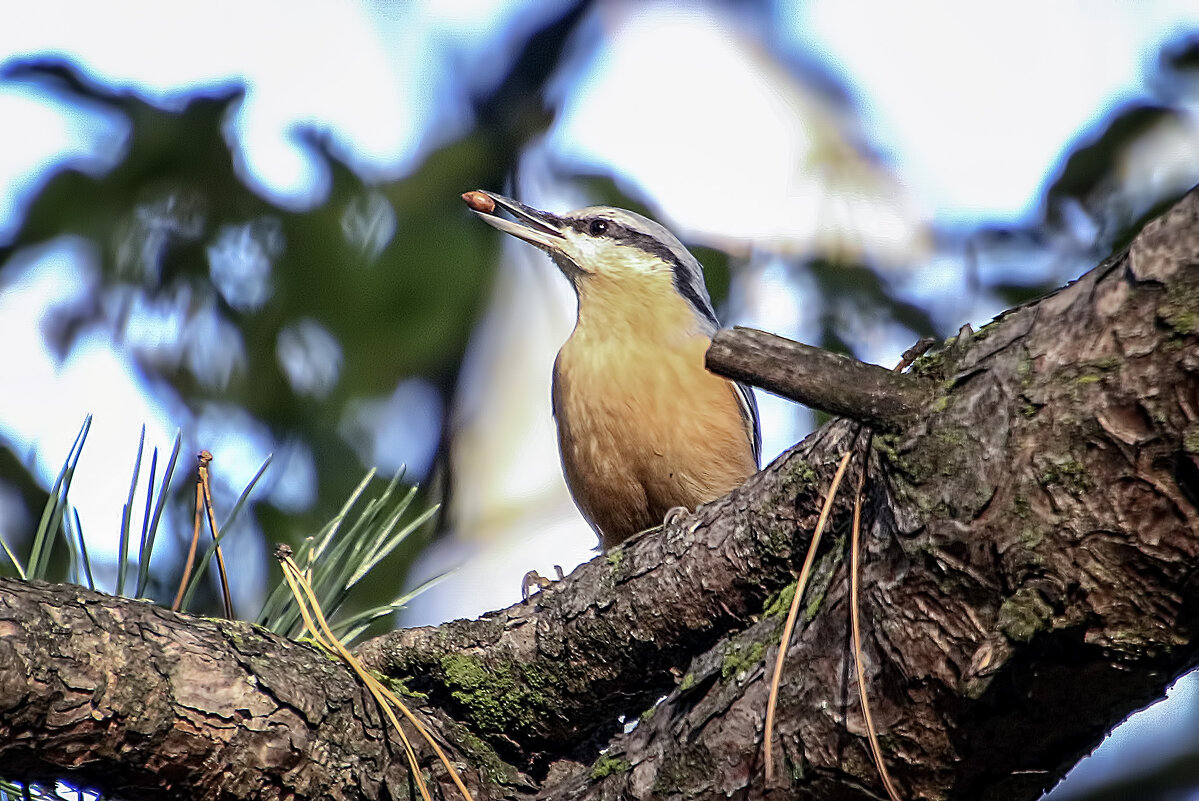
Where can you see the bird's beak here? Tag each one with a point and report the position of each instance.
(536, 227)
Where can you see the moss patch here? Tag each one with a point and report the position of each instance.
(498, 696)
(1024, 369)
(1190, 439)
(1024, 615)
(822, 577)
(779, 604)
(740, 657)
(1020, 507)
(400, 687)
(1031, 537)
(799, 479)
(1180, 308)
(942, 453)
(494, 770)
(1070, 474)
(932, 365)
(607, 765)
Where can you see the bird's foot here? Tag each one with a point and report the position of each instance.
(674, 514)
(534, 582)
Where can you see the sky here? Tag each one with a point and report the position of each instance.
(937, 88)
(944, 123)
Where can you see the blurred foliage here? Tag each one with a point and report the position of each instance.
(1174, 780)
(288, 315)
(861, 291)
(226, 297)
(233, 303)
(1098, 178)
(1086, 180)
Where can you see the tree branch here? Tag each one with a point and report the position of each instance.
(831, 382)
(133, 698)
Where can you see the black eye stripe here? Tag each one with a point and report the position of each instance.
(624, 235)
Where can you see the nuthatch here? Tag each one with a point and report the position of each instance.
(643, 427)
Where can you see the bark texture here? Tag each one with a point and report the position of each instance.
(147, 703)
(1031, 550)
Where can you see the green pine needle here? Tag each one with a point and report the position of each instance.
(127, 514)
(85, 561)
(343, 552)
(149, 534)
(12, 557)
(56, 504)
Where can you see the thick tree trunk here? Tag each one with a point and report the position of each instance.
(1031, 540)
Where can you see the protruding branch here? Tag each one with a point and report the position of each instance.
(827, 381)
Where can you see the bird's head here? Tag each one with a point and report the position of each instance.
(606, 251)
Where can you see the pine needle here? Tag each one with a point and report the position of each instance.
(854, 580)
(150, 533)
(12, 557)
(909, 357)
(809, 560)
(303, 593)
(127, 516)
(56, 507)
(367, 530)
(310, 609)
(189, 582)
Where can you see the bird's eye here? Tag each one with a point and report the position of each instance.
(598, 227)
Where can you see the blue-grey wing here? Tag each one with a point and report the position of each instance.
(749, 413)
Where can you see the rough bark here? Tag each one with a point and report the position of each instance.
(1031, 547)
(147, 703)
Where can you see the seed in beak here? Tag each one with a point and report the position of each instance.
(479, 201)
